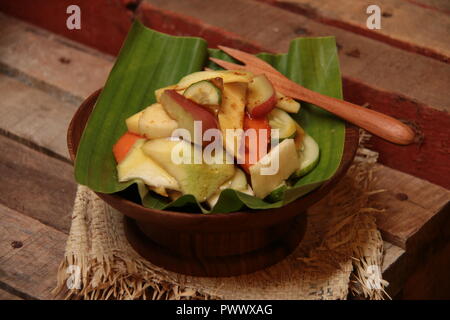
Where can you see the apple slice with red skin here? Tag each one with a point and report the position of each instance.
(261, 97)
(186, 111)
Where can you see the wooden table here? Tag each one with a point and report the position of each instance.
(402, 69)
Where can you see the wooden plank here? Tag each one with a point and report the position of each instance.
(393, 260)
(400, 83)
(440, 5)
(104, 23)
(5, 295)
(403, 24)
(430, 280)
(421, 271)
(35, 184)
(410, 203)
(30, 253)
(413, 226)
(35, 116)
(391, 254)
(49, 64)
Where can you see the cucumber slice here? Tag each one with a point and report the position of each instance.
(309, 156)
(279, 119)
(204, 92)
(277, 194)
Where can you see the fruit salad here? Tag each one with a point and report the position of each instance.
(216, 130)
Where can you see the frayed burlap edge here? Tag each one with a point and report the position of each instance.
(342, 252)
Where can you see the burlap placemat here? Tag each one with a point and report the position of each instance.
(342, 252)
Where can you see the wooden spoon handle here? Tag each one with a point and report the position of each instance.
(375, 122)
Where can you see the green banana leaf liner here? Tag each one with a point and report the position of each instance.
(150, 60)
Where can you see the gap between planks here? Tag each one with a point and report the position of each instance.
(30, 253)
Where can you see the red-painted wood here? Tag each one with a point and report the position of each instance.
(104, 23)
(182, 25)
(429, 158)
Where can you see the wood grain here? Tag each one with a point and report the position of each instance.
(440, 5)
(398, 19)
(49, 64)
(391, 254)
(410, 203)
(5, 295)
(35, 184)
(34, 116)
(30, 253)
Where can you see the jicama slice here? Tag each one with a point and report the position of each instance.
(237, 182)
(137, 165)
(155, 123)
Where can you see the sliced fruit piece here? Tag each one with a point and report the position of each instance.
(204, 92)
(200, 180)
(174, 195)
(137, 165)
(287, 103)
(308, 156)
(142, 188)
(133, 122)
(266, 175)
(231, 115)
(123, 145)
(226, 75)
(159, 190)
(237, 182)
(252, 149)
(186, 111)
(277, 194)
(279, 119)
(261, 97)
(160, 91)
(155, 122)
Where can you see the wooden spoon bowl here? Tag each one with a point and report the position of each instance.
(225, 244)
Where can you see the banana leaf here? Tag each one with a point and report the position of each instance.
(150, 60)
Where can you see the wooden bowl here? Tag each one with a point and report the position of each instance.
(219, 244)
